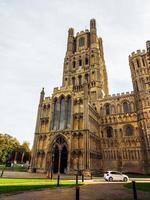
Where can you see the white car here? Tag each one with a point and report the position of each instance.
(115, 176)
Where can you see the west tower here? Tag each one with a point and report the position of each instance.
(84, 63)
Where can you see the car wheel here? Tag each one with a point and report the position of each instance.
(125, 179)
(110, 179)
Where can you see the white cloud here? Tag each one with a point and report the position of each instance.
(33, 36)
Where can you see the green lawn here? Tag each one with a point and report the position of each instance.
(15, 167)
(139, 186)
(138, 175)
(12, 185)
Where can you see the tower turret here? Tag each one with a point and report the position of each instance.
(93, 33)
(42, 94)
(70, 42)
(139, 65)
(148, 53)
(148, 45)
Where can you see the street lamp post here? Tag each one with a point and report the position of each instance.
(77, 175)
(59, 160)
(52, 161)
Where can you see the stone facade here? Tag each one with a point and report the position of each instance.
(88, 128)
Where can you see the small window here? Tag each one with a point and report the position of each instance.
(109, 132)
(138, 63)
(80, 80)
(86, 61)
(136, 86)
(143, 61)
(81, 41)
(44, 106)
(74, 64)
(129, 130)
(107, 108)
(73, 81)
(80, 62)
(132, 64)
(126, 107)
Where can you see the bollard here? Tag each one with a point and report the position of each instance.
(58, 178)
(134, 190)
(82, 177)
(91, 175)
(77, 193)
(51, 175)
(76, 179)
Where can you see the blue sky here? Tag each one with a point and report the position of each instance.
(33, 35)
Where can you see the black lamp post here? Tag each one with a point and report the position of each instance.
(52, 164)
(59, 160)
(77, 175)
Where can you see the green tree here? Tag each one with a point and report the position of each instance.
(26, 152)
(8, 145)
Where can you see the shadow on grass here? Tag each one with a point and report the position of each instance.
(10, 189)
(139, 186)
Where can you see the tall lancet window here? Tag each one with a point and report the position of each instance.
(81, 41)
(56, 114)
(126, 108)
(62, 113)
(69, 112)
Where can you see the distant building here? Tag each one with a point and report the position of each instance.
(92, 130)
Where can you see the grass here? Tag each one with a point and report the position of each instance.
(139, 186)
(12, 185)
(137, 175)
(15, 167)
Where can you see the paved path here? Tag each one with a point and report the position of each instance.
(96, 189)
(101, 191)
(11, 174)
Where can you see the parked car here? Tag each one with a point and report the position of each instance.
(115, 176)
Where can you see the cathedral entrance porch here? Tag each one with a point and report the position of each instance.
(63, 160)
(59, 155)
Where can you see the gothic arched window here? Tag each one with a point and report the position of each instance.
(109, 132)
(80, 80)
(56, 114)
(86, 61)
(87, 78)
(126, 108)
(68, 112)
(107, 109)
(136, 86)
(80, 62)
(143, 61)
(129, 130)
(62, 113)
(138, 63)
(73, 81)
(74, 64)
(81, 41)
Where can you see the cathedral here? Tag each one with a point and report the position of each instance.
(81, 127)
